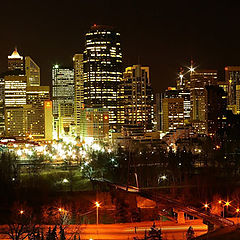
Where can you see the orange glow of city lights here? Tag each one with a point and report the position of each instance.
(237, 210)
(217, 147)
(206, 205)
(21, 212)
(220, 201)
(60, 209)
(97, 204)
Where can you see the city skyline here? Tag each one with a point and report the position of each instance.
(172, 43)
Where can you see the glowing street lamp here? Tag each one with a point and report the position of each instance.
(206, 206)
(97, 204)
(21, 212)
(237, 211)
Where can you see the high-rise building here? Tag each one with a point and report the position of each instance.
(32, 71)
(36, 96)
(185, 95)
(173, 113)
(63, 93)
(79, 89)
(199, 79)
(48, 120)
(16, 121)
(66, 120)
(94, 123)
(2, 123)
(136, 98)
(102, 69)
(232, 78)
(63, 87)
(15, 90)
(158, 111)
(15, 61)
(216, 108)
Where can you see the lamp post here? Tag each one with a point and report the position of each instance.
(220, 202)
(237, 211)
(97, 206)
(206, 206)
(227, 203)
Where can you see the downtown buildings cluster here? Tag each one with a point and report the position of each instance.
(93, 99)
(97, 99)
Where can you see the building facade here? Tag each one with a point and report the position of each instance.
(63, 87)
(135, 106)
(32, 72)
(15, 61)
(79, 90)
(232, 79)
(94, 123)
(15, 90)
(199, 79)
(36, 96)
(173, 113)
(102, 69)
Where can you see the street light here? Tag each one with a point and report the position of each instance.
(21, 212)
(227, 204)
(97, 204)
(237, 211)
(206, 206)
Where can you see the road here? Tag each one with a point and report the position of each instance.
(170, 230)
(126, 231)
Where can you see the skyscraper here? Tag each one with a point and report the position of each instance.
(102, 69)
(63, 93)
(32, 71)
(2, 124)
(136, 98)
(15, 90)
(232, 78)
(216, 108)
(63, 87)
(173, 113)
(15, 61)
(36, 96)
(199, 79)
(79, 89)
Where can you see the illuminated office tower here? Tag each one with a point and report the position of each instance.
(15, 90)
(48, 120)
(79, 89)
(199, 79)
(136, 98)
(32, 71)
(36, 96)
(102, 69)
(185, 95)
(173, 114)
(2, 124)
(63, 87)
(15, 61)
(66, 120)
(94, 123)
(232, 78)
(16, 121)
(63, 93)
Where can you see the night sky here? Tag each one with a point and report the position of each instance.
(163, 34)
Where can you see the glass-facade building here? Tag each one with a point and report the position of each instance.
(102, 69)
(63, 87)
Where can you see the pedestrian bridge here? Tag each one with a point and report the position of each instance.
(208, 218)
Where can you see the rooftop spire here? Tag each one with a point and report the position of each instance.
(15, 55)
